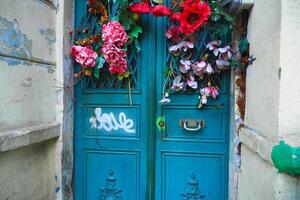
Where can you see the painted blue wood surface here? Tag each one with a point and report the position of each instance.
(149, 164)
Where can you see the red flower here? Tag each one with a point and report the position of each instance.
(194, 15)
(160, 10)
(140, 8)
(91, 2)
(173, 33)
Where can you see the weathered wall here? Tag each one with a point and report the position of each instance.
(272, 99)
(27, 60)
(28, 173)
(28, 98)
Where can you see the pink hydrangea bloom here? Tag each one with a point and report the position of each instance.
(85, 56)
(112, 54)
(118, 67)
(114, 33)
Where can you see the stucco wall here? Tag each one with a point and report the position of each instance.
(28, 173)
(272, 99)
(28, 100)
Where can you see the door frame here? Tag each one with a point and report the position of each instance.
(66, 152)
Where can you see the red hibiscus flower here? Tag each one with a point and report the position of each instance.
(140, 8)
(194, 15)
(160, 10)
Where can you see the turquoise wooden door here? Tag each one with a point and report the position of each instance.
(119, 151)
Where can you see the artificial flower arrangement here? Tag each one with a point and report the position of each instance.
(193, 24)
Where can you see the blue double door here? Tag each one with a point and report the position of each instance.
(120, 153)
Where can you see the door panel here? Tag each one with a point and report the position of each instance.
(190, 164)
(111, 136)
(119, 152)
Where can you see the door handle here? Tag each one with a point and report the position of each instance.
(191, 125)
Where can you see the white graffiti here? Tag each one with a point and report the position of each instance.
(108, 122)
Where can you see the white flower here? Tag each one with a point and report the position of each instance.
(177, 84)
(209, 69)
(225, 50)
(183, 45)
(213, 46)
(165, 99)
(185, 65)
(192, 83)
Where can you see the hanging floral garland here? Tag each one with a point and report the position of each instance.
(117, 29)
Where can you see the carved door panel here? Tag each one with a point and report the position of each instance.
(130, 158)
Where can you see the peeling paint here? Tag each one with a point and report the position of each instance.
(14, 42)
(48, 34)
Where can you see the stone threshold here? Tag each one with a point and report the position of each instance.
(257, 143)
(13, 139)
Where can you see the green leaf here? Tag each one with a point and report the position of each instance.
(126, 74)
(96, 72)
(228, 17)
(126, 22)
(135, 32)
(115, 18)
(158, 1)
(100, 62)
(137, 45)
(120, 77)
(243, 45)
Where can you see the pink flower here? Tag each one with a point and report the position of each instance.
(173, 33)
(112, 53)
(85, 56)
(185, 65)
(209, 91)
(209, 68)
(213, 46)
(199, 67)
(226, 51)
(192, 83)
(118, 67)
(223, 62)
(202, 67)
(177, 84)
(114, 33)
(183, 45)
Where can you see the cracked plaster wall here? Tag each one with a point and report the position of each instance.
(28, 97)
(272, 99)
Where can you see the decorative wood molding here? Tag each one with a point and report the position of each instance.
(193, 192)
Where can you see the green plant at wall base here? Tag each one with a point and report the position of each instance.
(197, 37)
(286, 158)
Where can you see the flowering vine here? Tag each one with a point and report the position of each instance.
(194, 24)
